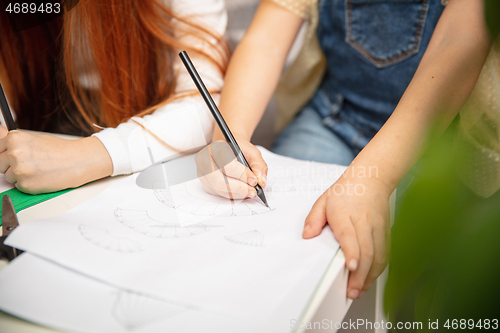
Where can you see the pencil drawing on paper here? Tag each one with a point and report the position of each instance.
(133, 310)
(105, 240)
(250, 238)
(190, 198)
(141, 222)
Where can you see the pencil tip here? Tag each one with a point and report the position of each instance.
(263, 198)
(264, 201)
(261, 195)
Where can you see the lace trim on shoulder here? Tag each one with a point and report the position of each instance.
(298, 7)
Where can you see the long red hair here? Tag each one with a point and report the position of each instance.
(125, 49)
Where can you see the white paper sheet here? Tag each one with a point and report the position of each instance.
(47, 294)
(240, 262)
(50, 295)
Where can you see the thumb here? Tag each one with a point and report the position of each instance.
(257, 163)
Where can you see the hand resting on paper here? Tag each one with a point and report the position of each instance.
(221, 174)
(357, 210)
(38, 163)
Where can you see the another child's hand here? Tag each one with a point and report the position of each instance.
(358, 213)
(221, 174)
(38, 163)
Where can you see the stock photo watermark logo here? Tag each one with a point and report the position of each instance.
(317, 178)
(24, 15)
(359, 324)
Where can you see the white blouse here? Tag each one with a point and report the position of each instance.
(183, 124)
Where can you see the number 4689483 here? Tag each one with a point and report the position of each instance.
(484, 324)
(48, 7)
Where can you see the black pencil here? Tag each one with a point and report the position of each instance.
(7, 114)
(218, 118)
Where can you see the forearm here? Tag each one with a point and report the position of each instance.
(91, 161)
(443, 81)
(255, 68)
(246, 89)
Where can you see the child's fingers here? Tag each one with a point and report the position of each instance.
(217, 161)
(236, 170)
(381, 243)
(225, 176)
(228, 187)
(225, 160)
(357, 277)
(258, 165)
(344, 232)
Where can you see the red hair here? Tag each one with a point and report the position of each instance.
(140, 37)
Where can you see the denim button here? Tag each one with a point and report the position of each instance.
(336, 106)
(329, 122)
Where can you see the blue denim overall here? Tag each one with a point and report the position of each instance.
(373, 48)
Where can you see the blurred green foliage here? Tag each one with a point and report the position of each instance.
(445, 259)
(492, 14)
(445, 249)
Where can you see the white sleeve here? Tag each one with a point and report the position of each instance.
(183, 124)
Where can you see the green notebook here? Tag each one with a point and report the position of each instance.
(22, 200)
